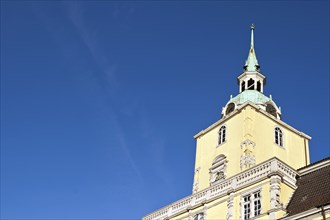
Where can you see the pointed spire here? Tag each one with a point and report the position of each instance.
(251, 63)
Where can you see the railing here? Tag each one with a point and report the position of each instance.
(241, 180)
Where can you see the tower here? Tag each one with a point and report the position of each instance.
(246, 162)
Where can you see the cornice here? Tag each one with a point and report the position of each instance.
(239, 109)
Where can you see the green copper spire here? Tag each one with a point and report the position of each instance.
(251, 63)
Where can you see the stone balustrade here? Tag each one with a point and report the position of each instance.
(234, 183)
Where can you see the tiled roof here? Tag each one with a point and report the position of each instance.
(313, 191)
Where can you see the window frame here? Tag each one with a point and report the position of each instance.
(222, 135)
(251, 204)
(279, 136)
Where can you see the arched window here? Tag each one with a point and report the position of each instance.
(278, 136)
(243, 86)
(259, 86)
(230, 108)
(250, 84)
(271, 110)
(222, 135)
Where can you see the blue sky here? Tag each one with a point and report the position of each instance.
(100, 99)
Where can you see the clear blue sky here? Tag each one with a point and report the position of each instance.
(100, 99)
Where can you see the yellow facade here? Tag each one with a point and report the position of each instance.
(248, 123)
(245, 164)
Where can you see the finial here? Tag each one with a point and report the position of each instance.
(252, 40)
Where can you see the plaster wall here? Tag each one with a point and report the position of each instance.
(248, 124)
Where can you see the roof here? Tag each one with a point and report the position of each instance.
(250, 95)
(313, 190)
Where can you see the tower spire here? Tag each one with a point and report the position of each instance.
(252, 40)
(251, 63)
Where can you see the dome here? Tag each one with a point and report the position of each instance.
(256, 97)
(253, 96)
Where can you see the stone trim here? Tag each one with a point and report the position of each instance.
(235, 183)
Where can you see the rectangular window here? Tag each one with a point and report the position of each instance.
(257, 203)
(247, 207)
(251, 205)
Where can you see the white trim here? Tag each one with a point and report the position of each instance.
(239, 109)
(250, 193)
(219, 136)
(282, 132)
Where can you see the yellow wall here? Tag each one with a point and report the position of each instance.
(250, 124)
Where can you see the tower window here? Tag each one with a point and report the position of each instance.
(251, 205)
(250, 84)
(259, 86)
(222, 135)
(278, 136)
(243, 86)
(230, 108)
(271, 110)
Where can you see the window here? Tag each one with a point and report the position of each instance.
(243, 86)
(271, 110)
(230, 108)
(278, 136)
(247, 206)
(250, 84)
(257, 203)
(251, 205)
(222, 135)
(259, 86)
(199, 216)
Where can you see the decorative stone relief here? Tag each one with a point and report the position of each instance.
(247, 158)
(230, 206)
(195, 187)
(248, 126)
(275, 189)
(218, 169)
(247, 144)
(196, 180)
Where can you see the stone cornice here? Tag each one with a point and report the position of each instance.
(251, 176)
(239, 109)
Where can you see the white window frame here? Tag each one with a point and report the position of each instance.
(251, 204)
(222, 135)
(279, 136)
